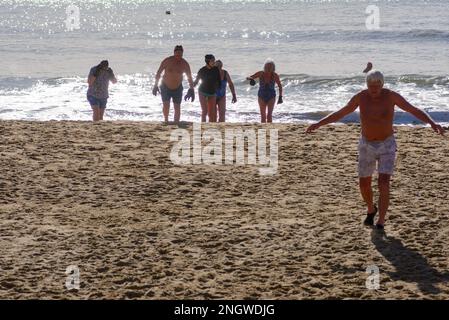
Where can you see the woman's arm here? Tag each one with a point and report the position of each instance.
(113, 79)
(91, 77)
(254, 76)
(278, 82)
(198, 78)
(91, 80)
(231, 87)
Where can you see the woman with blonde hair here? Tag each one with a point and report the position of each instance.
(267, 92)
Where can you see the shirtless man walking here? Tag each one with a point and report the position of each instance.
(171, 88)
(377, 141)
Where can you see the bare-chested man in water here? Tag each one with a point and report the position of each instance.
(171, 88)
(377, 142)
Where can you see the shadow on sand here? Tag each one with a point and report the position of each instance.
(410, 265)
(181, 124)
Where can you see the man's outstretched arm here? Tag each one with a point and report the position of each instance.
(337, 115)
(418, 113)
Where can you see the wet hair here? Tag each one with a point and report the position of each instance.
(375, 76)
(103, 64)
(270, 61)
(208, 57)
(219, 63)
(179, 48)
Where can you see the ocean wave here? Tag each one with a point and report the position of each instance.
(420, 81)
(306, 98)
(316, 81)
(289, 36)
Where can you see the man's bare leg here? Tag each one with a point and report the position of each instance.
(177, 112)
(384, 196)
(166, 110)
(367, 192)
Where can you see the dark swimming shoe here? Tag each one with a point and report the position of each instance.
(369, 221)
(379, 226)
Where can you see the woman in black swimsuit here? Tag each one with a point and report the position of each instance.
(210, 82)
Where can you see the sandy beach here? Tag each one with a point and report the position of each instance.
(107, 199)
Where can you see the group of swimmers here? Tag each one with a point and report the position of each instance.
(377, 144)
(212, 90)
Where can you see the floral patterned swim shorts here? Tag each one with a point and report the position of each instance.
(382, 152)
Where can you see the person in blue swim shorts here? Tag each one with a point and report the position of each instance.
(98, 91)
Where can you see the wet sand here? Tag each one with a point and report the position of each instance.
(107, 199)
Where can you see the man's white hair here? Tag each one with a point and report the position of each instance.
(375, 76)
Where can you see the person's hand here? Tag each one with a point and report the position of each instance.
(234, 98)
(190, 95)
(369, 67)
(438, 129)
(155, 90)
(280, 100)
(251, 81)
(313, 127)
(111, 75)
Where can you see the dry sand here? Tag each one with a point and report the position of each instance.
(107, 199)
